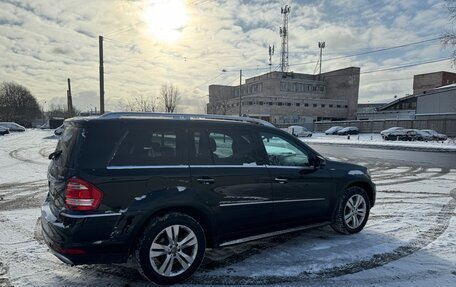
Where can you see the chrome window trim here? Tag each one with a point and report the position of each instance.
(145, 166)
(271, 201)
(90, 215)
(260, 236)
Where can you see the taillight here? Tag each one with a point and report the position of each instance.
(81, 195)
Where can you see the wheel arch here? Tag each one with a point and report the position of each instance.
(202, 217)
(367, 187)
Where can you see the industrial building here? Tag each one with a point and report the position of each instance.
(286, 98)
(434, 97)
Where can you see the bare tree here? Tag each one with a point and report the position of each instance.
(17, 104)
(449, 38)
(170, 95)
(139, 103)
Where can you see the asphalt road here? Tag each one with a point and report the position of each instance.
(417, 158)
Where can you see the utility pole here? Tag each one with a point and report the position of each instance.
(321, 45)
(100, 46)
(284, 35)
(240, 91)
(69, 99)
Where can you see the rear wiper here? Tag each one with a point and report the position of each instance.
(55, 154)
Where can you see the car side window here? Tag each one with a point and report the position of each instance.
(222, 147)
(282, 152)
(143, 148)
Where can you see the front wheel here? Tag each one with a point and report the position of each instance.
(352, 212)
(171, 249)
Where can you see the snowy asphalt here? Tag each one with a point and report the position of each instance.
(409, 240)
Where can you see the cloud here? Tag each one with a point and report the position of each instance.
(45, 42)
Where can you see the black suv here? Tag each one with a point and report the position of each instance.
(162, 188)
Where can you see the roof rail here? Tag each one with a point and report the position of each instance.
(118, 115)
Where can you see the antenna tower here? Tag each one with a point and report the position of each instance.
(271, 53)
(284, 35)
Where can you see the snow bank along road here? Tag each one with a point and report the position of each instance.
(410, 239)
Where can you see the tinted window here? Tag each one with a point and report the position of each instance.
(227, 147)
(67, 145)
(282, 152)
(147, 147)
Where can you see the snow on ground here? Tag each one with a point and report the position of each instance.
(375, 140)
(409, 240)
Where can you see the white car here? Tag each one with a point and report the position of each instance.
(13, 127)
(299, 131)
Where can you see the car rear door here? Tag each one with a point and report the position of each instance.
(225, 168)
(302, 193)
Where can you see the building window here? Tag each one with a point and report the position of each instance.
(314, 88)
(289, 104)
(330, 106)
(260, 103)
(270, 103)
(315, 105)
(298, 104)
(322, 105)
(322, 88)
(283, 86)
(279, 103)
(346, 106)
(339, 106)
(250, 103)
(306, 105)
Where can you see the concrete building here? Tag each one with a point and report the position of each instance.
(291, 98)
(429, 81)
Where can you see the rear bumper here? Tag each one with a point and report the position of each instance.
(82, 240)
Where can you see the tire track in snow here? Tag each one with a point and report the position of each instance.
(422, 239)
(16, 155)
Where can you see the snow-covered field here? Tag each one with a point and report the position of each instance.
(375, 140)
(410, 239)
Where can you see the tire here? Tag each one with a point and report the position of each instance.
(166, 266)
(343, 222)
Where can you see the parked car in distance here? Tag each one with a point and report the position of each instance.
(299, 131)
(160, 188)
(13, 127)
(400, 135)
(4, 131)
(348, 131)
(436, 135)
(59, 131)
(421, 135)
(333, 130)
(387, 132)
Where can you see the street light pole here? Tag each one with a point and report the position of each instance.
(240, 91)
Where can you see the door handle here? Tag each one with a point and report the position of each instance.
(205, 180)
(281, 180)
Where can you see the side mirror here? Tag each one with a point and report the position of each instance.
(318, 162)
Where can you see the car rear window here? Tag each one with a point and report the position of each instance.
(143, 148)
(133, 144)
(66, 146)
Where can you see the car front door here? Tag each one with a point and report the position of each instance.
(225, 170)
(302, 192)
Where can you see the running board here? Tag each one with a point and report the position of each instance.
(270, 234)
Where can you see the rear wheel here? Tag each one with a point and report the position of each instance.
(352, 212)
(171, 249)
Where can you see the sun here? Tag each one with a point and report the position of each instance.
(166, 19)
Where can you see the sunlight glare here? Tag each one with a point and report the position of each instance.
(166, 19)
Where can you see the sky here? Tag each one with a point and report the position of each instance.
(194, 43)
